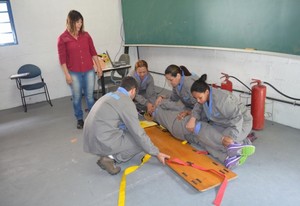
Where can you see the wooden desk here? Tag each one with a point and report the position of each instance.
(108, 69)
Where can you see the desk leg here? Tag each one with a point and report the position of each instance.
(103, 85)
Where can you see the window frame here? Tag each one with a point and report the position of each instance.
(11, 21)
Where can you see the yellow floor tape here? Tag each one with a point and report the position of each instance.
(127, 171)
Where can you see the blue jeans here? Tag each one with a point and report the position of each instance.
(83, 82)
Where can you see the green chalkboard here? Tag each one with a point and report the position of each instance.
(265, 25)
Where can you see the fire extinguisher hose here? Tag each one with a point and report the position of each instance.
(240, 82)
(281, 92)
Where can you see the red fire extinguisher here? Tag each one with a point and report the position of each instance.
(226, 84)
(258, 98)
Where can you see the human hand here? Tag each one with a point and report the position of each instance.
(150, 108)
(190, 125)
(226, 140)
(158, 100)
(162, 157)
(182, 115)
(69, 79)
(99, 73)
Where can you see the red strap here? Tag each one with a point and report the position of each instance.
(222, 188)
(202, 152)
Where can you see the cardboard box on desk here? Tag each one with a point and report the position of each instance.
(105, 60)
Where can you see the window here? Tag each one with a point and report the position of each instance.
(7, 29)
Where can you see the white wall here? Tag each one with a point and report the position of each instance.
(38, 24)
(282, 71)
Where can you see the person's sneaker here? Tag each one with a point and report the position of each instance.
(240, 149)
(80, 124)
(108, 164)
(252, 137)
(232, 162)
(242, 160)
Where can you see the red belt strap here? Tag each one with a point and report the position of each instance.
(202, 152)
(222, 188)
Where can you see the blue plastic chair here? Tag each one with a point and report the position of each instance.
(30, 71)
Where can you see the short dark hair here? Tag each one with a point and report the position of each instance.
(129, 83)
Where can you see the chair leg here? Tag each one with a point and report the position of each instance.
(47, 95)
(23, 100)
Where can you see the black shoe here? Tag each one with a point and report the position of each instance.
(80, 124)
(109, 165)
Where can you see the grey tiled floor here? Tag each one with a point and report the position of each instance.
(42, 163)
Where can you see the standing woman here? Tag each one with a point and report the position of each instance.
(146, 95)
(76, 52)
(181, 80)
(228, 117)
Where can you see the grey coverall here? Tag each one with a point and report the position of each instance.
(145, 92)
(227, 117)
(181, 92)
(112, 128)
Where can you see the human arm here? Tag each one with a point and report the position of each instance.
(67, 74)
(150, 108)
(174, 95)
(98, 63)
(146, 94)
(150, 90)
(150, 94)
(94, 55)
(62, 54)
(190, 125)
(129, 116)
(183, 114)
(159, 100)
(162, 157)
(143, 101)
(195, 115)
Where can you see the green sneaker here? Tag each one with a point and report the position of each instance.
(240, 150)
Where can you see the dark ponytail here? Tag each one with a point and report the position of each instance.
(200, 85)
(173, 70)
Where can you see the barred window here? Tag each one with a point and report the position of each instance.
(7, 29)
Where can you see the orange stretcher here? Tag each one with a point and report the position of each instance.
(196, 167)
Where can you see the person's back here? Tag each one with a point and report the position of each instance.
(107, 112)
(226, 110)
(112, 129)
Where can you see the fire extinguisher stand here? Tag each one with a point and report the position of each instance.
(258, 99)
